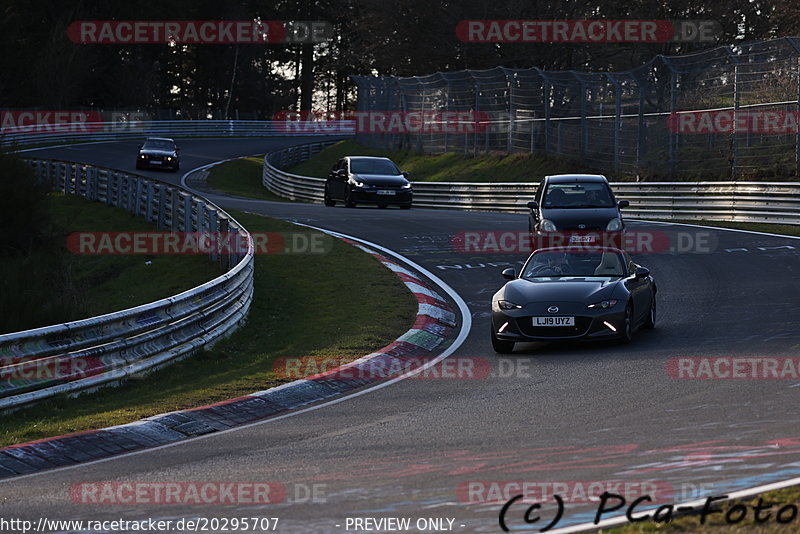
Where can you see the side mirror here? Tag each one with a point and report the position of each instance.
(642, 272)
(533, 205)
(510, 274)
(341, 173)
(141, 145)
(623, 204)
(177, 149)
(404, 173)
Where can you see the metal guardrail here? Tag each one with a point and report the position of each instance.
(766, 202)
(81, 355)
(120, 131)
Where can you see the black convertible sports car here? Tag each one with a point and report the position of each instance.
(159, 152)
(571, 293)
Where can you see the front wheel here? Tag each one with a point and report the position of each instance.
(501, 346)
(349, 201)
(328, 200)
(405, 206)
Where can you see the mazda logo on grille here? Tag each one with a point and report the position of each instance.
(553, 309)
(581, 226)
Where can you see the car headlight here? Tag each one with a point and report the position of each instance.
(604, 304)
(405, 186)
(548, 226)
(169, 158)
(141, 156)
(359, 184)
(614, 225)
(508, 305)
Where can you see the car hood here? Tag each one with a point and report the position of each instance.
(585, 290)
(570, 218)
(152, 152)
(381, 179)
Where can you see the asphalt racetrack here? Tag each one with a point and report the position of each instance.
(559, 416)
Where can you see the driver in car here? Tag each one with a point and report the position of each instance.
(555, 266)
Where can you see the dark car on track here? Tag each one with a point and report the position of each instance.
(367, 180)
(565, 293)
(571, 209)
(159, 152)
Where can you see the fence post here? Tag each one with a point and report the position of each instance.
(148, 208)
(736, 106)
(162, 206)
(174, 218)
(546, 88)
(187, 212)
(212, 229)
(673, 137)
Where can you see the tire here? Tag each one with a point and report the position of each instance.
(650, 322)
(501, 346)
(328, 200)
(627, 331)
(405, 206)
(383, 206)
(348, 199)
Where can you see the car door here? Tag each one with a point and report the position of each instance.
(337, 182)
(640, 291)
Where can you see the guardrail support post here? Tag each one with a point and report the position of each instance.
(162, 206)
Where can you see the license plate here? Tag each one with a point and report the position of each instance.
(554, 321)
(155, 162)
(581, 239)
(385, 192)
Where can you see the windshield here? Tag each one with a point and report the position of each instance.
(158, 144)
(578, 195)
(373, 166)
(574, 264)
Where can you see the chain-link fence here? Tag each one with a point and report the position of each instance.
(745, 101)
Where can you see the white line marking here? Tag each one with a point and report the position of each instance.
(665, 223)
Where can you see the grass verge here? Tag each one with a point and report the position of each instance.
(303, 306)
(716, 523)
(447, 167)
(241, 177)
(51, 285)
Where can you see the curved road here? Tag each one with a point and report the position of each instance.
(562, 413)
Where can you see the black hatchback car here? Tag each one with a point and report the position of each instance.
(159, 152)
(576, 209)
(367, 180)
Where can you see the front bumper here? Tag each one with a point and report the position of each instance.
(157, 162)
(371, 196)
(590, 324)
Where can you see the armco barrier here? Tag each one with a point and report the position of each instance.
(80, 355)
(766, 202)
(120, 131)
